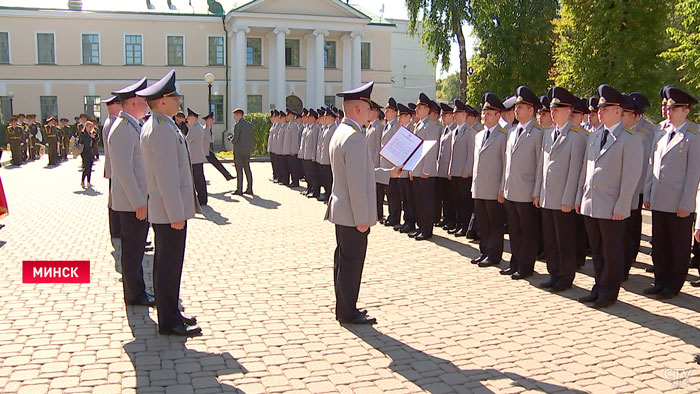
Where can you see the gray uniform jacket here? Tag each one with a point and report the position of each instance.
(523, 156)
(109, 122)
(312, 143)
(561, 166)
(292, 138)
(302, 140)
(428, 130)
(374, 140)
(166, 161)
(674, 171)
(462, 160)
(647, 132)
(323, 155)
(207, 140)
(243, 139)
(489, 159)
(389, 130)
(129, 190)
(353, 200)
(270, 137)
(278, 141)
(195, 143)
(610, 175)
(445, 150)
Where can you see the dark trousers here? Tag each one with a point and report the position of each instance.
(393, 196)
(115, 228)
(133, 242)
(407, 201)
(672, 237)
(211, 158)
(523, 228)
(311, 177)
(381, 192)
(167, 272)
(445, 201)
(294, 168)
(582, 243)
(559, 232)
(348, 262)
(66, 147)
(200, 184)
(633, 236)
(491, 220)
(424, 193)
(284, 171)
(242, 163)
(327, 178)
(53, 153)
(15, 148)
(87, 166)
(607, 239)
(273, 164)
(464, 204)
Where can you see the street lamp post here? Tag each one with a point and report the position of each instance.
(11, 95)
(209, 79)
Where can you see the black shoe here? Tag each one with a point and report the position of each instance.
(472, 235)
(453, 230)
(407, 229)
(547, 285)
(460, 233)
(238, 193)
(148, 243)
(695, 283)
(323, 197)
(559, 288)
(588, 298)
(388, 223)
(361, 319)
(381, 220)
(294, 184)
(649, 269)
(422, 237)
(508, 271)
(518, 276)
(414, 234)
(398, 227)
(148, 249)
(602, 304)
(487, 263)
(147, 300)
(449, 227)
(182, 330)
(665, 295)
(363, 312)
(478, 259)
(250, 192)
(656, 289)
(541, 256)
(190, 321)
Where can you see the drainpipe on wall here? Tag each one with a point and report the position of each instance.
(226, 96)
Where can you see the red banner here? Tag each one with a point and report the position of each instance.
(55, 272)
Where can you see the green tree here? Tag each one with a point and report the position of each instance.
(447, 89)
(685, 36)
(514, 43)
(611, 41)
(440, 23)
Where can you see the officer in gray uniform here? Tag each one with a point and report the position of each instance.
(444, 201)
(392, 190)
(670, 192)
(373, 133)
(171, 200)
(323, 155)
(609, 178)
(128, 190)
(489, 160)
(562, 157)
(195, 144)
(520, 187)
(461, 165)
(113, 107)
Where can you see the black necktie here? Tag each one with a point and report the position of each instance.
(556, 134)
(670, 137)
(447, 130)
(488, 132)
(604, 139)
(520, 131)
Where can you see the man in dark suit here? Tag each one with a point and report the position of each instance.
(242, 149)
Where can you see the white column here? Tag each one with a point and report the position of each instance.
(281, 79)
(232, 70)
(356, 58)
(240, 68)
(347, 62)
(311, 70)
(319, 84)
(271, 70)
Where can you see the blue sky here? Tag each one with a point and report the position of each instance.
(397, 9)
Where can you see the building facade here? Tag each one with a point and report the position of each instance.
(264, 54)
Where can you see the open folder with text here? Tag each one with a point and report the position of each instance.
(406, 149)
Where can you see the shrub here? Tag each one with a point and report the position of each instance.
(261, 128)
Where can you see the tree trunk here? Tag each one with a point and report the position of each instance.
(463, 66)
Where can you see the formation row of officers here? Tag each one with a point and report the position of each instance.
(26, 135)
(562, 173)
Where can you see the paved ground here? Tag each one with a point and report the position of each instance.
(258, 276)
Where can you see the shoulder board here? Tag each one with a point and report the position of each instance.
(576, 129)
(502, 130)
(643, 130)
(124, 121)
(694, 130)
(537, 126)
(627, 129)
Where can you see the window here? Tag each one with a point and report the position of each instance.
(5, 109)
(216, 51)
(49, 106)
(254, 51)
(366, 58)
(329, 100)
(329, 54)
(176, 50)
(46, 53)
(182, 103)
(254, 103)
(133, 48)
(4, 47)
(91, 106)
(91, 49)
(291, 52)
(217, 103)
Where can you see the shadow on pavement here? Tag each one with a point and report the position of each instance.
(436, 375)
(223, 196)
(88, 192)
(214, 216)
(261, 202)
(464, 249)
(164, 362)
